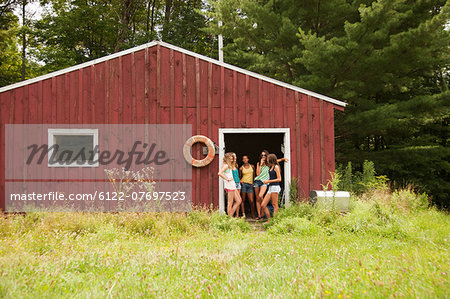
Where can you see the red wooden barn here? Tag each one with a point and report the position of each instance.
(158, 83)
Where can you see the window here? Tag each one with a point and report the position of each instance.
(73, 147)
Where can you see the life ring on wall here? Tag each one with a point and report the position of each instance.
(187, 150)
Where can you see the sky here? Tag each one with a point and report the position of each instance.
(34, 11)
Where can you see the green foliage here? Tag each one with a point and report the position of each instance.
(360, 182)
(347, 178)
(413, 201)
(105, 27)
(10, 61)
(368, 175)
(293, 190)
(334, 182)
(378, 212)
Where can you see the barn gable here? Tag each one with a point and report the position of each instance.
(181, 50)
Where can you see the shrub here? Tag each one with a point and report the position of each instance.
(347, 178)
(293, 191)
(414, 202)
(360, 182)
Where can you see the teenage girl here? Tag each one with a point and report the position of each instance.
(262, 174)
(237, 180)
(246, 173)
(230, 186)
(274, 186)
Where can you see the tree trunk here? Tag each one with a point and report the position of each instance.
(152, 27)
(167, 11)
(126, 15)
(150, 24)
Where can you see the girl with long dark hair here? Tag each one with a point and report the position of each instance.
(274, 186)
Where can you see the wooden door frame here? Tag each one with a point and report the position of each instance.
(287, 154)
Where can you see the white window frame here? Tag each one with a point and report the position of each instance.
(287, 154)
(74, 132)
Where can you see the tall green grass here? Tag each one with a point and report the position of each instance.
(388, 244)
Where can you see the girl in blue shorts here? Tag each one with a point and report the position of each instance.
(247, 173)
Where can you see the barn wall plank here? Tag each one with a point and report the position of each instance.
(178, 80)
(316, 175)
(216, 85)
(298, 145)
(252, 103)
(140, 86)
(153, 75)
(305, 142)
(239, 101)
(184, 82)
(329, 139)
(126, 89)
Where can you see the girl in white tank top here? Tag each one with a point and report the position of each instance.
(229, 185)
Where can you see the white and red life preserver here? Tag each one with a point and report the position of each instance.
(187, 150)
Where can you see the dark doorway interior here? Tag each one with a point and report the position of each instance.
(252, 144)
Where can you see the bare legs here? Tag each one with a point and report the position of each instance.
(267, 198)
(234, 200)
(238, 198)
(258, 202)
(250, 200)
(252, 205)
(241, 206)
(259, 192)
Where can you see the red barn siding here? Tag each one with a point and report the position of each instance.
(159, 85)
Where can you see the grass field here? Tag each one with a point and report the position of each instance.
(388, 245)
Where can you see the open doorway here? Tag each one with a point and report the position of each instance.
(252, 142)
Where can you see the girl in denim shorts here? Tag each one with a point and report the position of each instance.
(246, 173)
(262, 172)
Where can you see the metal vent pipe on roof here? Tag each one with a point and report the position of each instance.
(220, 44)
